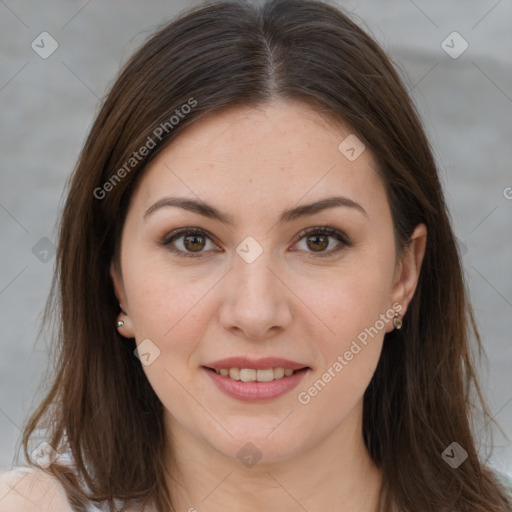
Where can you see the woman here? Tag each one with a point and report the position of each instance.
(259, 290)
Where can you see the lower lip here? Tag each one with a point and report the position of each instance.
(256, 391)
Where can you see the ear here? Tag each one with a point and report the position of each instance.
(408, 269)
(126, 329)
(117, 282)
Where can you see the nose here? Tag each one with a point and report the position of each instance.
(256, 302)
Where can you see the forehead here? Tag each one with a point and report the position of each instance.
(284, 152)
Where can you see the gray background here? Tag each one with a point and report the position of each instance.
(47, 108)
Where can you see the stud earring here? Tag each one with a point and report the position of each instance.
(397, 321)
(120, 323)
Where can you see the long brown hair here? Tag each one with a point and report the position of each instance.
(101, 407)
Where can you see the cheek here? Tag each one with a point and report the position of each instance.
(350, 353)
(356, 299)
(356, 309)
(161, 311)
(358, 325)
(167, 314)
(160, 296)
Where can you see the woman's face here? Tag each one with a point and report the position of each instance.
(259, 279)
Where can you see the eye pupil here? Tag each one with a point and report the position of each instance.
(325, 240)
(195, 238)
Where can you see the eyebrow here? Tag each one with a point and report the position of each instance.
(207, 210)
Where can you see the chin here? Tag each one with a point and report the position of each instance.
(252, 445)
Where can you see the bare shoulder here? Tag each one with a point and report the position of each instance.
(31, 490)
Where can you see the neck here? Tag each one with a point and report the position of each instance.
(335, 474)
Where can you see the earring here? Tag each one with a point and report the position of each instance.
(397, 321)
(120, 323)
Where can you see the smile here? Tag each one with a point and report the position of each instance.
(255, 385)
(252, 375)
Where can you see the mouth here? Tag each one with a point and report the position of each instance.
(255, 380)
(256, 375)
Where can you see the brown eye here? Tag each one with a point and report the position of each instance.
(188, 242)
(318, 242)
(194, 243)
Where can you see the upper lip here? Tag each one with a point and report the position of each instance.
(256, 364)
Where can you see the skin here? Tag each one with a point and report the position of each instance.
(290, 302)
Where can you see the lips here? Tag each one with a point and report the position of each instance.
(255, 380)
(255, 364)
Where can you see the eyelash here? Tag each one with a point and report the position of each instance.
(323, 230)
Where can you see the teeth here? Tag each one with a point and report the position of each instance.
(265, 375)
(252, 375)
(234, 373)
(278, 373)
(247, 375)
